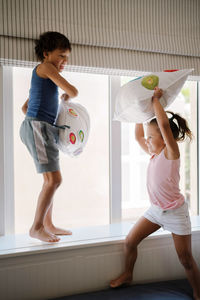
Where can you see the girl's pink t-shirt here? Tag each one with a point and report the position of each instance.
(163, 182)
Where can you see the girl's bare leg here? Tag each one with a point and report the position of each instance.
(51, 182)
(184, 250)
(141, 230)
(48, 224)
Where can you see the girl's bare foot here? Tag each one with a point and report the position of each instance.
(43, 235)
(57, 231)
(124, 279)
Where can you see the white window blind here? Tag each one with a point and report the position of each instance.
(118, 35)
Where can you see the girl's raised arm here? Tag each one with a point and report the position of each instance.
(139, 136)
(164, 126)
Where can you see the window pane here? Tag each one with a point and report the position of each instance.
(83, 197)
(135, 198)
(186, 105)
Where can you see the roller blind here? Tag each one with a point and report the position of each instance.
(117, 35)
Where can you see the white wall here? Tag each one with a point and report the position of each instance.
(69, 271)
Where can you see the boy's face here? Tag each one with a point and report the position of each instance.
(58, 58)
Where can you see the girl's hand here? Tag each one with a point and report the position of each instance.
(157, 92)
(65, 97)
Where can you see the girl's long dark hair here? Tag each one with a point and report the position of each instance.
(179, 129)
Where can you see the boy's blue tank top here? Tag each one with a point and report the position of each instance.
(43, 99)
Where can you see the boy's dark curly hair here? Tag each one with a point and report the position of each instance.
(49, 41)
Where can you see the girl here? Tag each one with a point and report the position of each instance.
(37, 131)
(168, 207)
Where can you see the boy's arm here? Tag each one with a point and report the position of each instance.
(50, 71)
(25, 106)
(139, 136)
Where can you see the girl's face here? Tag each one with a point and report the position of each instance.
(57, 57)
(154, 140)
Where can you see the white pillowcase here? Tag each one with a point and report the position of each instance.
(133, 102)
(72, 140)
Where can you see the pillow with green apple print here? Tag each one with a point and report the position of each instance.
(134, 99)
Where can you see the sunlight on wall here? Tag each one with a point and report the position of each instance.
(83, 198)
(135, 161)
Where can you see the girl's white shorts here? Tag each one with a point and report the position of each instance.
(174, 220)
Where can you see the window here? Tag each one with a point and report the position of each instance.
(108, 180)
(83, 197)
(135, 198)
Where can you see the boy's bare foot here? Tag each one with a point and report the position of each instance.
(124, 279)
(43, 235)
(57, 231)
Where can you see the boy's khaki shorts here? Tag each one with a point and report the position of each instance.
(40, 138)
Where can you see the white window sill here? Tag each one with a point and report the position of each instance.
(22, 244)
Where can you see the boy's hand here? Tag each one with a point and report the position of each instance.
(157, 93)
(65, 97)
(25, 106)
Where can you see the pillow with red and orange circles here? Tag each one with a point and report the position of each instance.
(74, 125)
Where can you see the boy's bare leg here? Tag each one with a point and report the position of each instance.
(51, 182)
(141, 230)
(184, 250)
(48, 224)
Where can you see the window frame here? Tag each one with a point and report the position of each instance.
(198, 146)
(7, 221)
(115, 154)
